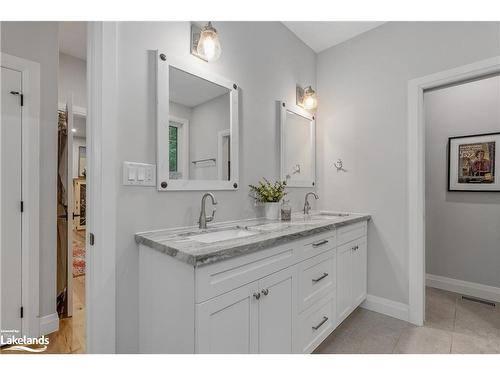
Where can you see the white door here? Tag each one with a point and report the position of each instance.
(359, 271)
(228, 324)
(70, 203)
(277, 311)
(344, 283)
(10, 204)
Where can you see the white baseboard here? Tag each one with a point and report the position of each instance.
(487, 292)
(49, 324)
(386, 306)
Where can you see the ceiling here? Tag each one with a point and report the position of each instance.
(73, 39)
(190, 90)
(320, 35)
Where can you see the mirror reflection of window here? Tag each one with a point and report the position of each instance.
(199, 128)
(178, 151)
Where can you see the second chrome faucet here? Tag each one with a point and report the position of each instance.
(203, 220)
(307, 206)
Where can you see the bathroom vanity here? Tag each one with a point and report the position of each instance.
(251, 286)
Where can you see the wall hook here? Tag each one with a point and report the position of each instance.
(339, 164)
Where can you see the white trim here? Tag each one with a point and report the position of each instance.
(30, 190)
(102, 180)
(220, 145)
(70, 206)
(184, 136)
(282, 129)
(386, 306)
(467, 288)
(416, 173)
(49, 324)
(162, 116)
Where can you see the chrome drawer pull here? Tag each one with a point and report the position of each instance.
(325, 318)
(316, 244)
(320, 278)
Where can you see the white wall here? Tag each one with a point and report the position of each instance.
(38, 41)
(266, 60)
(462, 228)
(362, 118)
(72, 79)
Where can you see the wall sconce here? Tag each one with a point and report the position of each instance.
(306, 98)
(205, 42)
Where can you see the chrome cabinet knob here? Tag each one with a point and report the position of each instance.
(265, 291)
(256, 295)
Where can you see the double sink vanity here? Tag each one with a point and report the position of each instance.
(247, 286)
(250, 286)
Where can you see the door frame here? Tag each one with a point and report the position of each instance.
(30, 122)
(102, 184)
(416, 172)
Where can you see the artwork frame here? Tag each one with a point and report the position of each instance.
(474, 163)
(82, 161)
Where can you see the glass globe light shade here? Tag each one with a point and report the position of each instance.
(310, 100)
(208, 44)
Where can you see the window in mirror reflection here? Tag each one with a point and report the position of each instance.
(199, 128)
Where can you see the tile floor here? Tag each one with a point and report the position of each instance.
(452, 325)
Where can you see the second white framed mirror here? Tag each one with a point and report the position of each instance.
(297, 147)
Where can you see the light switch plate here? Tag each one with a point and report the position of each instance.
(139, 174)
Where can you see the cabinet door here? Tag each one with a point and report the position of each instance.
(277, 312)
(228, 323)
(359, 255)
(344, 282)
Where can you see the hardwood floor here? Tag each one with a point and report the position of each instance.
(71, 335)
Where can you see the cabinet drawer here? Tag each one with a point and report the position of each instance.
(318, 244)
(316, 323)
(316, 278)
(218, 278)
(351, 232)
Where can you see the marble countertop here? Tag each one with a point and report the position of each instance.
(262, 234)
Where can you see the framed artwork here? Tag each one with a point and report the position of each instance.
(82, 161)
(473, 162)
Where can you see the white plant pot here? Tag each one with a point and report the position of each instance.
(272, 210)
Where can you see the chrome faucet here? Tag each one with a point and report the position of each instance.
(307, 206)
(203, 216)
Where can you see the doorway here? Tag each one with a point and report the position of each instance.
(71, 190)
(416, 172)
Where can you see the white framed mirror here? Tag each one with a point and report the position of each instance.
(297, 147)
(197, 128)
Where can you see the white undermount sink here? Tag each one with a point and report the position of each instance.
(222, 235)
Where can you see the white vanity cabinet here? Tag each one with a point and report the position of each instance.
(351, 269)
(255, 318)
(282, 299)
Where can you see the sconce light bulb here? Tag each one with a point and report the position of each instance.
(310, 101)
(209, 46)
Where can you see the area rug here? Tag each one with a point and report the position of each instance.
(78, 259)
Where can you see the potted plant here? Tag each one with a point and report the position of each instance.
(270, 194)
